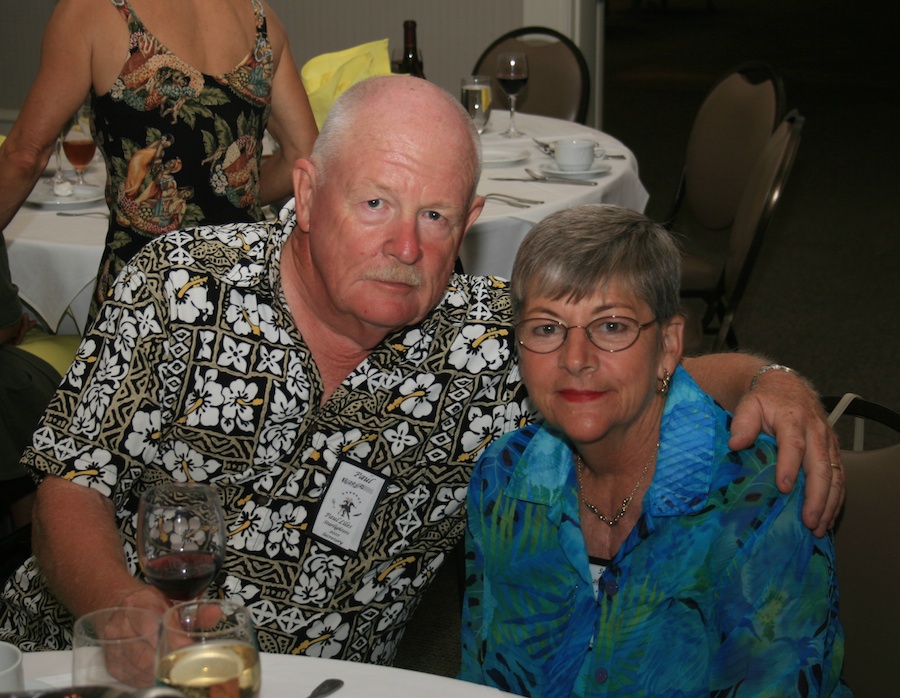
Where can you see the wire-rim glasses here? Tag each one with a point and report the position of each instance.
(611, 333)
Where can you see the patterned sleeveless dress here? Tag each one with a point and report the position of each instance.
(181, 148)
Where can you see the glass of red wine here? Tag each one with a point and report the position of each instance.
(512, 74)
(181, 538)
(78, 143)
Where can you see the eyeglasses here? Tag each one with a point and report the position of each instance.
(611, 333)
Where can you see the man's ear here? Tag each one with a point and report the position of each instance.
(304, 176)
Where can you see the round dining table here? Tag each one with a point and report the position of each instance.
(287, 675)
(490, 245)
(55, 246)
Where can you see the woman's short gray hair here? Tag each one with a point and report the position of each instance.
(573, 253)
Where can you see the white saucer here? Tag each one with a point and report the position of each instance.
(551, 168)
(43, 195)
(36, 685)
(497, 157)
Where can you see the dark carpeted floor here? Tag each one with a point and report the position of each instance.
(825, 295)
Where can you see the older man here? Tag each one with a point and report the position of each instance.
(326, 378)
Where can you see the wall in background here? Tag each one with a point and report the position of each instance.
(451, 34)
(20, 52)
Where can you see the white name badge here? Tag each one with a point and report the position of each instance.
(348, 506)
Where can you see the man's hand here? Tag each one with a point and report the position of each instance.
(783, 406)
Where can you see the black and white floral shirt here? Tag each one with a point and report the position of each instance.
(339, 514)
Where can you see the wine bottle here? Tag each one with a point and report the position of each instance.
(411, 63)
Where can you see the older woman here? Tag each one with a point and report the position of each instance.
(620, 548)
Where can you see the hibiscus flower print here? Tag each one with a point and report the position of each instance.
(95, 470)
(418, 396)
(188, 296)
(185, 464)
(143, 438)
(478, 347)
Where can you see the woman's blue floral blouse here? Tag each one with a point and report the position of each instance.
(719, 590)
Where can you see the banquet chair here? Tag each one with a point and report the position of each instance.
(729, 132)
(867, 555)
(559, 84)
(763, 190)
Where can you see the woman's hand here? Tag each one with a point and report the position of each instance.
(784, 406)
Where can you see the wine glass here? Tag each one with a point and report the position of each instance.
(512, 74)
(475, 94)
(58, 176)
(78, 143)
(181, 538)
(208, 648)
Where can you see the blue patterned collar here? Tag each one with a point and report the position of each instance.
(683, 473)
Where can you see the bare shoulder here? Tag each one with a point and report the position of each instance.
(83, 24)
(90, 15)
(276, 31)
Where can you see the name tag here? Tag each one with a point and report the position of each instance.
(347, 506)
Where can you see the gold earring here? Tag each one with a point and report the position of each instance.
(664, 383)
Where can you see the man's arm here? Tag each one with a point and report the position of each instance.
(80, 552)
(786, 407)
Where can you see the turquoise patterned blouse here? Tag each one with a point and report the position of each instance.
(718, 590)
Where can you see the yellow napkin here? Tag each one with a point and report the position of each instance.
(327, 76)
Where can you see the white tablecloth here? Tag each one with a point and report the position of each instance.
(54, 258)
(286, 676)
(491, 244)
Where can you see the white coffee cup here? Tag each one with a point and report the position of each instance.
(12, 677)
(574, 154)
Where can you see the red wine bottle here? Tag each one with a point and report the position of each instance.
(411, 63)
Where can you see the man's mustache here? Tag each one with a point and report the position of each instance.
(398, 273)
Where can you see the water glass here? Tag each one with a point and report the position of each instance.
(475, 94)
(115, 647)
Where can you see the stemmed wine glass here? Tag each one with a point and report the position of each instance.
(181, 538)
(78, 143)
(209, 648)
(512, 74)
(475, 94)
(58, 176)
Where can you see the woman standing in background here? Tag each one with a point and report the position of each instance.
(192, 82)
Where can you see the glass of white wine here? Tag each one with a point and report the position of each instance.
(208, 648)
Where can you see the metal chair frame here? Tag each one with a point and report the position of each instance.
(532, 41)
(764, 188)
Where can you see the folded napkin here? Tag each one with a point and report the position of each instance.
(327, 76)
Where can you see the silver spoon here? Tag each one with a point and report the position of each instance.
(326, 688)
(562, 180)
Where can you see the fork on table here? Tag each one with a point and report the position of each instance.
(511, 200)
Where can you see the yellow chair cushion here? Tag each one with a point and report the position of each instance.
(58, 350)
(325, 77)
